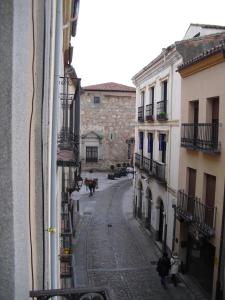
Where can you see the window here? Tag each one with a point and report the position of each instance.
(96, 99)
(210, 191)
(141, 140)
(164, 90)
(91, 154)
(152, 94)
(150, 143)
(162, 147)
(142, 98)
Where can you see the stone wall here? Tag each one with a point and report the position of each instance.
(110, 122)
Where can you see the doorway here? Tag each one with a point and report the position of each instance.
(161, 221)
(149, 211)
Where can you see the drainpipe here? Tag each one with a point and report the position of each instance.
(77, 119)
(55, 114)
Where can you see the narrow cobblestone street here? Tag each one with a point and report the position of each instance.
(111, 249)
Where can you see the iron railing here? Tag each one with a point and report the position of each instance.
(162, 110)
(151, 167)
(141, 113)
(201, 136)
(147, 164)
(149, 113)
(138, 160)
(191, 209)
(74, 294)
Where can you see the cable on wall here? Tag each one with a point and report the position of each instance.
(42, 154)
(30, 131)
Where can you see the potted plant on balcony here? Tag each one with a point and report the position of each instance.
(162, 116)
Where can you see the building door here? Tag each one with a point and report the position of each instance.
(200, 263)
(148, 219)
(215, 122)
(196, 110)
(191, 189)
(162, 147)
(140, 201)
(161, 217)
(210, 199)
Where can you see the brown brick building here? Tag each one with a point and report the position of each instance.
(107, 125)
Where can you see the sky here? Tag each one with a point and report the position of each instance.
(116, 38)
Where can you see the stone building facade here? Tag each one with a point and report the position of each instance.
(107, 125)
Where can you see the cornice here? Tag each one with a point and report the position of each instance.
(202, 65)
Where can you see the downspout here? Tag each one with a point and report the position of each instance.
(77, 119)
(55, 110)
(169, 164)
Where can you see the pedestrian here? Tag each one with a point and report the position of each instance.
(86, 183)
(175, 263)
(163, 267)
(91, 183)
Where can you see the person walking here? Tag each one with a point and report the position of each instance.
(91, 183)
(163, 267)
(175, 263)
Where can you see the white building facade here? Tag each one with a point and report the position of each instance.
(157, 137)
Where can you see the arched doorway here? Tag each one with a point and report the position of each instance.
(149, 208)
(140, 193)
(161, 220)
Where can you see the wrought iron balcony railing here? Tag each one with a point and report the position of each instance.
(141, 113)
(138, 160)
(151, 167)
(191, 209)
(149, 113)
(162, 110)
(66, 267)
(74, 294)
(67, 139)
(201, 136)
(66, 224)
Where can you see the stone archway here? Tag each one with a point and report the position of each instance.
(149, 208)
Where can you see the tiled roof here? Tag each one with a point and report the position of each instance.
(217, 48)
(208, 26)
(109, 86)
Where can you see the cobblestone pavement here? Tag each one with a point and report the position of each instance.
(111, 249)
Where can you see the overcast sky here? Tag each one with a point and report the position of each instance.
(117, 38)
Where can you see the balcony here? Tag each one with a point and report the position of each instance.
(74, 294)
(66, 267)
(162, 111)
(149, 113)
(192, 210)
(201, 136)
(141, 114)
(152, 168)
(138, 160)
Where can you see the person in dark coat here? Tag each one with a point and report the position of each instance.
(163, 268)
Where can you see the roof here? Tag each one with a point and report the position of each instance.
(109, 86)
(209, 26)
(155, 60)
(216, 49)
